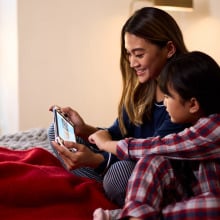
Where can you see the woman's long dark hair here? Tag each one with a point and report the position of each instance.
(157, 27)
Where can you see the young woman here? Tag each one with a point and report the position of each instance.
(177, 176)
(149, 39)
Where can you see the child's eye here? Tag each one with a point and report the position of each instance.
(166, 96)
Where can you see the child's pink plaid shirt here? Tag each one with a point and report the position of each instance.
(198, 145)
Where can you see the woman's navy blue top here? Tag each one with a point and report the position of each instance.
(160, 125)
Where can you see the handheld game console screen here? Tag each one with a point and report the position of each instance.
(63, 128)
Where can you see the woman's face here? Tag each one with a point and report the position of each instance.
(145, 58)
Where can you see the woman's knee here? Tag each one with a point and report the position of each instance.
(116, 180)
(50, 132)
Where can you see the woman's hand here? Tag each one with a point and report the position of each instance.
(81, 128)
(102, 139)
(82, 157)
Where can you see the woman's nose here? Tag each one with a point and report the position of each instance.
(133, 62)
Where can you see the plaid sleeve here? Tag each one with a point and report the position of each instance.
(198, 142)
(202, 207)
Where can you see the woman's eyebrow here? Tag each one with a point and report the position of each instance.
(136, 50)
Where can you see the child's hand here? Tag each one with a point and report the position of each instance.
(99, 138)
(103, 141)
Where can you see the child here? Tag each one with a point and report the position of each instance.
(178, 175)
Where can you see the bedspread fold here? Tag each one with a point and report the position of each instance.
(34, 185)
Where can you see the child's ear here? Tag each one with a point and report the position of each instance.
(194, 105)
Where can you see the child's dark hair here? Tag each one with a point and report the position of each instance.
(194, 74)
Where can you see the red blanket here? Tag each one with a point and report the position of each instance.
(33, 185)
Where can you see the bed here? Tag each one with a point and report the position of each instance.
(34, 185)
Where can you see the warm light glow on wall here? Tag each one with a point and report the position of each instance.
(169, 5)
(174, 5)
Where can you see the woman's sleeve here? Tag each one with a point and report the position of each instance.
(114, 131)
(116, 134)
(109, 158)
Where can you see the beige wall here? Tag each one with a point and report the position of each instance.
(9, 100)
(68, 54)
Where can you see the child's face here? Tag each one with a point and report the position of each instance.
(178, 109)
